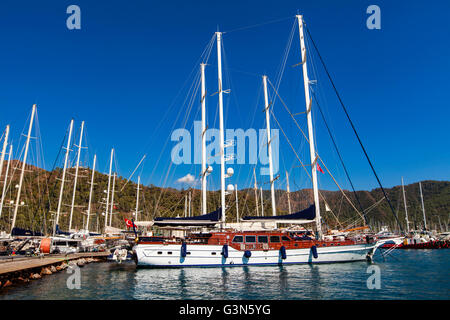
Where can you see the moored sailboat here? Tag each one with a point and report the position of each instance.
(225, 246)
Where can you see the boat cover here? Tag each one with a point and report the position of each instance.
(306, 214)
(24, 232)
(203, 220)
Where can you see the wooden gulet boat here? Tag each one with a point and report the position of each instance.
(225, 246)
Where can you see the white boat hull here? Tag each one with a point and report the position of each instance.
(159, 255)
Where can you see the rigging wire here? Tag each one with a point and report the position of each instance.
(353, 127)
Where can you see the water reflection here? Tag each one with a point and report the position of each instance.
(401, 278)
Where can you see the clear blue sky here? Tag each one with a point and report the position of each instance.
(122, 71)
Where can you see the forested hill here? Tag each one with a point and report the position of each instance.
(41, 191)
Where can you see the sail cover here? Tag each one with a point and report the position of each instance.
(25, 232)
(304, 216)
(204, 220)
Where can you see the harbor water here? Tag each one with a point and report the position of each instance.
(404, 274)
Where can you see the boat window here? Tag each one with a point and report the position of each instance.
(263, 239)
(61, 243)
(274, 239)
(250, 239)
(159, 252)
(213, 253)
(284, 238)
(238, 239)
(169, 252)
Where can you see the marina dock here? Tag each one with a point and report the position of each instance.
(19, 264)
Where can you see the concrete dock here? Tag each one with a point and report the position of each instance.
(19, 264)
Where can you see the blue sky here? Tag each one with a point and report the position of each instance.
(127, 71)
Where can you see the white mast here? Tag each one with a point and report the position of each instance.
(109, 186)
(204, 209)
(137, 197)
(256, 193)
(16, 208)
(221, 135)
(189, 203)
(406, 208)
(6, 179)
(237, 204)
(112, 199)
(262, 203)
(5, 144)
(90, 193)
(310, 128)
(185, 205)
(269, 147)
(76, 176)
(63, 179)
(423, 207)
(288, 192)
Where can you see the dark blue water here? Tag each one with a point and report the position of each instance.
(406, 274)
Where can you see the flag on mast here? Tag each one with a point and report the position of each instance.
(319, 168)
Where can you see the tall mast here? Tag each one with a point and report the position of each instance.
(63, 179)
(237, 203)
(406, 208)
(5, 144)
(310, 128)
(221, 134)
(423, 207)
(185, 205)
(190, 213)
(256, 192)
(109, 186)
(16, 208)
(269, 147)
(204, 209)
(262, 202)
(76, 175)
(6, 179)
(288, 192)
(137, 197)
(112, 199)
(90, 193)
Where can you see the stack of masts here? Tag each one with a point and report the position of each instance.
(112, 199)
(63, 178)
(77, 166)
(19, 190)
(406, 208)
(90, 194)
(109, 188)
(5, 181)
(137, 198)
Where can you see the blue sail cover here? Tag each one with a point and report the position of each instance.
(59, 231)
(24, 232)
(206, 219)
(307, 214)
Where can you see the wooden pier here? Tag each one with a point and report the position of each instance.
(18, 264)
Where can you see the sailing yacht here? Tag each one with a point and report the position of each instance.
(418, 239)
(227, 246)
